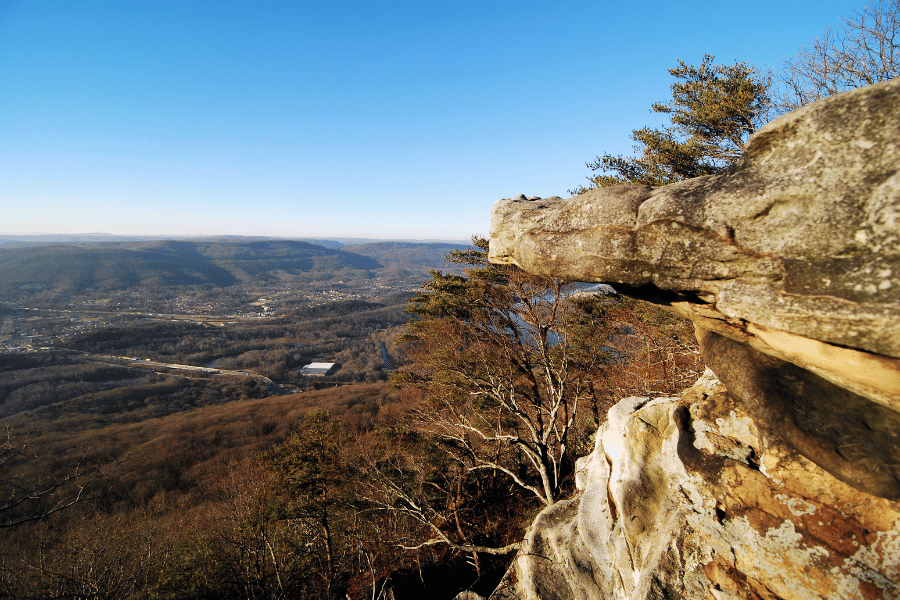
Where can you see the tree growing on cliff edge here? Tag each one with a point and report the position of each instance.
(504, 359)
(714, 109)
(864, 52)
(506, 375)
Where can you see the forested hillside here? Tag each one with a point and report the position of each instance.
(157, 455)
(99, 267)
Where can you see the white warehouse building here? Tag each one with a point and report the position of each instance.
(317, 368)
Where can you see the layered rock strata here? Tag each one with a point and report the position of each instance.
(802, 235)
(781, 479)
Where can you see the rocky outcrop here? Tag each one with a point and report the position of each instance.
(684, 498)
(797, 243)
(779, 476)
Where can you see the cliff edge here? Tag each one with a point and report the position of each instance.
(778, 474)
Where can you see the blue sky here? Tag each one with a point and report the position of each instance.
(396, 120)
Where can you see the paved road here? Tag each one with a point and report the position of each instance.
(160, 366)
(388, 363)
(152, 364)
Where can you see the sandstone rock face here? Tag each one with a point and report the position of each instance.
(793, 252)
(800, 238)
(854, 439)
(684, 498)
(779, 476)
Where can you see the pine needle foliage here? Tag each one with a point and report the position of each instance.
(714, 109)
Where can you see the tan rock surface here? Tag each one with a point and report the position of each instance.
(683, 498)
(801, 236)
(782, 480)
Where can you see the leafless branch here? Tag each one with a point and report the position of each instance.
(62, 492)
(865, 51)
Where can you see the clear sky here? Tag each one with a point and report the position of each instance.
(401, 120)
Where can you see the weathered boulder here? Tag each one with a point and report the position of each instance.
(799, 242)
(854, 439)
(683, 498)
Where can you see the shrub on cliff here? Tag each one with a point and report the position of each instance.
(507, 376)
(504, 359)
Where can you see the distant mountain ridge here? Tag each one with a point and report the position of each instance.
(68, 238)
(72, 268)
(407, 254)
(103, 266)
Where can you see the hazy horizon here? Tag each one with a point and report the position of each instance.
(137, 237)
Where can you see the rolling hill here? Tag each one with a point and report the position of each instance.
(406, 255)
(108, 266)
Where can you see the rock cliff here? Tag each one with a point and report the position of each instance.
(778, 474)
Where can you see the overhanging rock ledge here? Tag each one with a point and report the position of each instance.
(789, 265)
(793, 253)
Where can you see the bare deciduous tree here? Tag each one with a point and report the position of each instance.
(505, 359)
(430, 496)
(864, 52)
(26, 496)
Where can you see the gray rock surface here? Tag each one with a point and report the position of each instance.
(778, 477)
